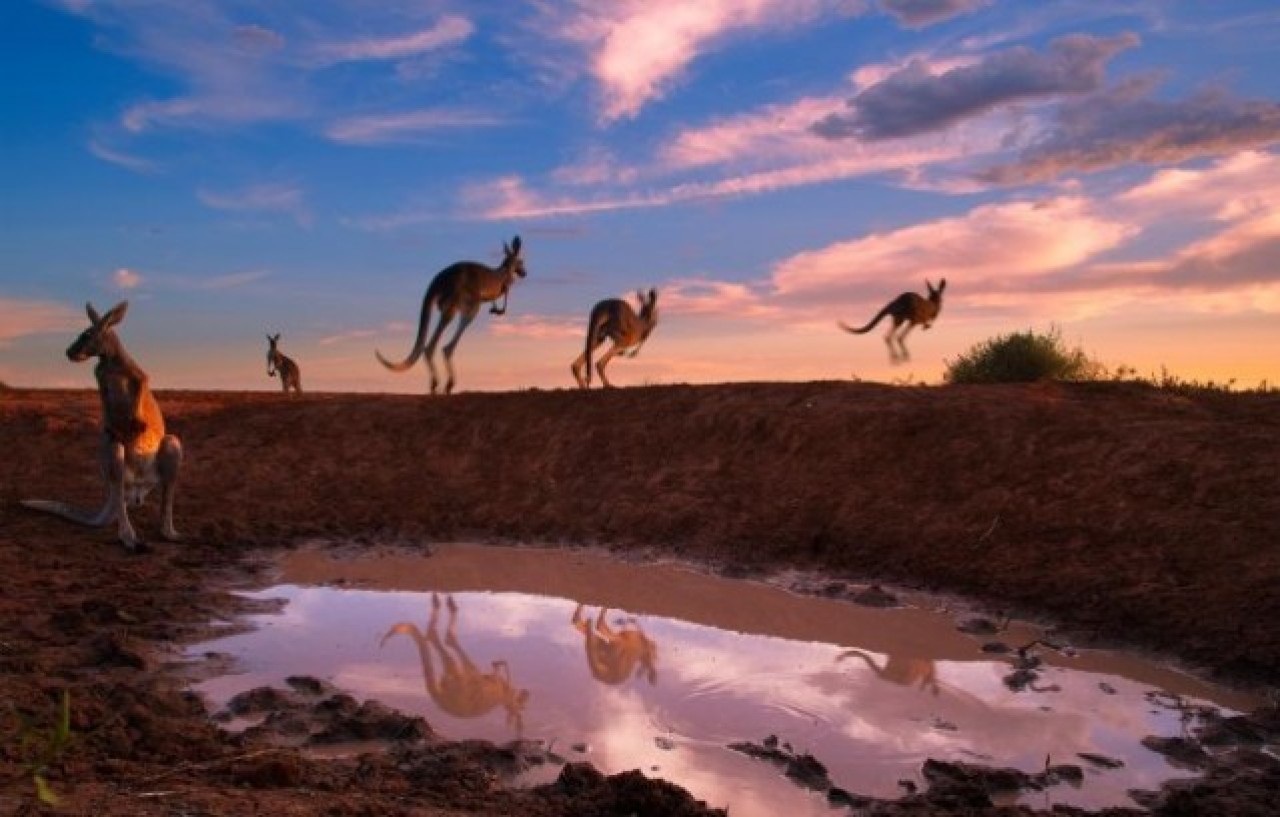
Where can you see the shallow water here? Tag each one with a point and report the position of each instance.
(659, 667)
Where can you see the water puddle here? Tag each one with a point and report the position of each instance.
(660, 668)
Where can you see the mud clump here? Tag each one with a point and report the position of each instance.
(593, 794)
(803, 768)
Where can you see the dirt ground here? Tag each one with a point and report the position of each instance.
(1123, 513)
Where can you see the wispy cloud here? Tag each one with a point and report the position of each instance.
(920, 13)
(511, 197)
(540, 327)
(636, 49)
(448, 30)
(285, 199)
(407, 125)
(115, 157)
(230, 280)
(21, 317)
(1125, 124)
(915, 100)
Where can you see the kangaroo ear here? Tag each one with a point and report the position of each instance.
(94, 317)
(515, 245)
(653, 296)
(116, 314)
(942, 284)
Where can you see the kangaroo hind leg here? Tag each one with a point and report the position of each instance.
(168, 462)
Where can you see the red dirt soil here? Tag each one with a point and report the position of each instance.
(1124, 513)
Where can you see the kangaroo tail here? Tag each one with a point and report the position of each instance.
(865, 329)
(69, 512)
(866, 659)
(428, 301)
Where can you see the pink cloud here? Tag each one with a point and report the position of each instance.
(540, 327)
(693, 296)
(449, 30)
(21, 317)
(124, 278)
(1011, 241)
(637, 48)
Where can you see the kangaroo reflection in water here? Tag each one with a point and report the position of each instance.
(917, 672)
(461, 689)
(614, 655)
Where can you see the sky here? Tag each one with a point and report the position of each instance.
(1110, 171)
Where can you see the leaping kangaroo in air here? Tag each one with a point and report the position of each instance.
(134, 453)
(908, 308)
(458, 290)
(615, 320)
(277, 361)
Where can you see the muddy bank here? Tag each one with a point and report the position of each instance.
(1131, 514)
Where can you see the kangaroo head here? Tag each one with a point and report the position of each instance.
(512, 260)
(99, 339)
(935, 295)
(648, 307)
(272, 351)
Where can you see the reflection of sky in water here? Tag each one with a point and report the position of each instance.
(871, 718)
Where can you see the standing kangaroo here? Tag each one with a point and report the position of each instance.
(277, 361)
(458, 290)
(135, 454)
(461, 689)
(908, 308)
(615, 320)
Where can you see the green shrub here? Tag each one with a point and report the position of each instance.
(1023, 357)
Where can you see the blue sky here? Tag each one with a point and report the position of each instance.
(771, 166)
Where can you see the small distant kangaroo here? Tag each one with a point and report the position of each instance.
(135, 454)
(277, 361)
(615, 320)
(908, 308)
(458, 290)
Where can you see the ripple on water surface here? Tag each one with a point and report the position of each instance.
(659, 668)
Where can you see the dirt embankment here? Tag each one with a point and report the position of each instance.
(1132, 514)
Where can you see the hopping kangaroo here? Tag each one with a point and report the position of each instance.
(613, 656)
(615, 320)
(908, 308)
(277, 361)
(135, 454)
(461, 689)
(921, 673)
(458, 290)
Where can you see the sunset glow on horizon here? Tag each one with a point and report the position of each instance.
(1111, 171)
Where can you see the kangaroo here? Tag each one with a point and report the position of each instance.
(135, 454)
(461, 689)
(458, 290)
(918, 672)
(908, 308)
(613, 656)
(615, 320)
(277, 361)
